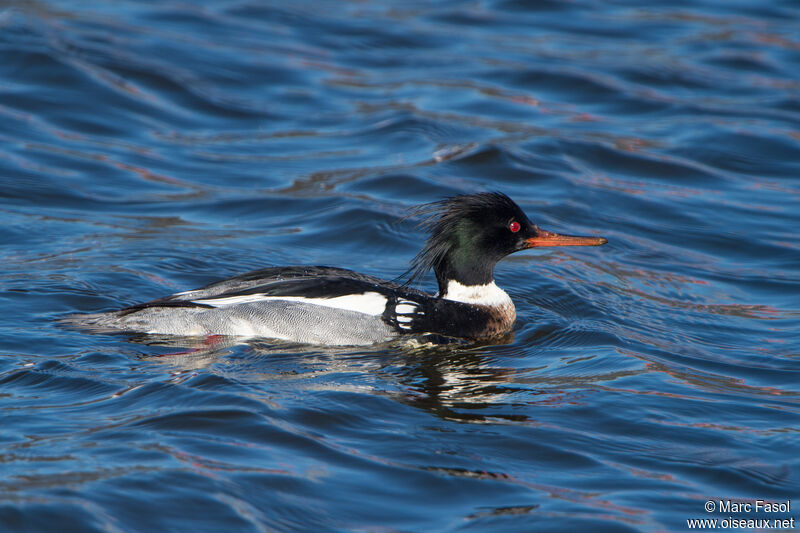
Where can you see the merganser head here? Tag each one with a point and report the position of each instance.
(471, 233)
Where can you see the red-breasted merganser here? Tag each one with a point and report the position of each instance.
(469, 234)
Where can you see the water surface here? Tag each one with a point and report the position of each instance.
(149, 148)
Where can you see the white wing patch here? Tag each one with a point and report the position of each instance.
(184, 293)
(225, 301)
(369, 303)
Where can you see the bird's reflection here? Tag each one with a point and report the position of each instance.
(463, 384)
(449, 378)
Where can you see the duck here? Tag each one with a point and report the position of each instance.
(468, 235)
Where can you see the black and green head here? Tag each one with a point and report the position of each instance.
(470, 233)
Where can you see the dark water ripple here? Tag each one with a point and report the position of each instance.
(150, 148)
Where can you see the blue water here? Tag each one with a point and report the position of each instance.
(152, 147)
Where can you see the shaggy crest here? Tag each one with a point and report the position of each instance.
(441, 220)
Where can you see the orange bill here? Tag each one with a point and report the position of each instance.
(548, 238)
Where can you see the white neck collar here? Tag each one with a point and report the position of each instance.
(489, 294)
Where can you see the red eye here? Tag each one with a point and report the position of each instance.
(514, 227)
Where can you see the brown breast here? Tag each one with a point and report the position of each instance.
(501, 320)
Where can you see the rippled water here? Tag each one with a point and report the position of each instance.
(148, 148)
